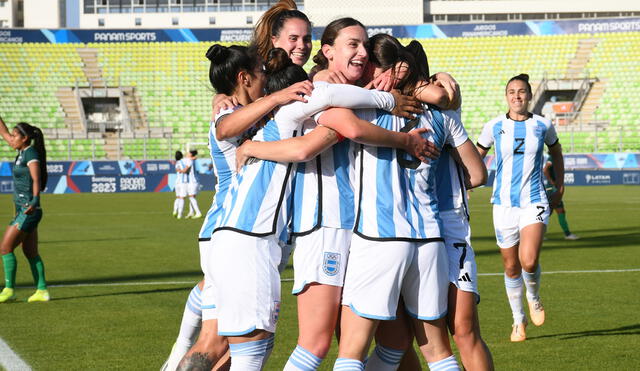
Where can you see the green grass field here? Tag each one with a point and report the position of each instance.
(120, 269)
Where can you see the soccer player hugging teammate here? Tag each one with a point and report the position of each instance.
(323, 208)
(29, 179)
(520, 205)
(182, 179)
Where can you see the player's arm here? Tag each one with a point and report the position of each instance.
(240, 120)
(345, 122)
(546, 170)
(4, 132)
(34, 171)
(434, 94)
(452, 88)
(297, 149)
(555, 151)
(475, 171)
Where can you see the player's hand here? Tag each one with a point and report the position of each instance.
(555, 198)
(451, 86)
(331, 77)
(406, 106)
(295, 92)
(222, 102)
(421, 148)
(384, 82)
(30, 210)
(242, 154)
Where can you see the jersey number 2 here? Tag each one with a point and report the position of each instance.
(518, 150)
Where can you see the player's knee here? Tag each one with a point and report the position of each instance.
(512, 271)
(464, 334)
(529, 264)
(319, 346)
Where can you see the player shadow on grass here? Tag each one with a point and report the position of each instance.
(624, 330)
(154, 291)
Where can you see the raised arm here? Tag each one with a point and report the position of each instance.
(297, 149)
(345, 122)
(6, 135)
(242, 119)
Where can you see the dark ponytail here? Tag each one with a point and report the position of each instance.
(36, 138)
(281, 71)
(226, 62)
(386, 52)
(420, 56)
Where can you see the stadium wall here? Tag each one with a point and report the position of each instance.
(159, 175)
(422, 31)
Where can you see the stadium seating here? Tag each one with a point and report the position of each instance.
(171, 80)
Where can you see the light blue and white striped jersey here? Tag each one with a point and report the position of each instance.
(396, 193)
(260, 204)
(519, 158)
(450, 183)
(323, 191)
(182, 178)
(223, 156)
(193, 179)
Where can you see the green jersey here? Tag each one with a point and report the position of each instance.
(22, 182)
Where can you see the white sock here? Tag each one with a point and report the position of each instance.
(448, 364)
(250, 356)
(302, 360)
(180, 206)
(348, 364)
(384, 359)
(175, 205)
(190, 207)
(532, 283)
(514, 288)
(193, 204)
(189, 329)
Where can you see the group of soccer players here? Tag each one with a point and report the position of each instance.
(370, 189)
(186, 185)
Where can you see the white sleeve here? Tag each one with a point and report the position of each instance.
(345, 96)
(486, 137)
(223, 113)
(551, 137)
(457, 133)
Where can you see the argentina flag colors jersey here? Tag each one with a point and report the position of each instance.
(519, 158)
(396, 196)
(450, 183)
(223, 156)
(182, 178)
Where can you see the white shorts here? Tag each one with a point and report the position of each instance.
(508, 221)
(247, 283)
(181, 189)
(207, 297)
(426, 286)
(463, 271)
(321, 256)
(192, 189)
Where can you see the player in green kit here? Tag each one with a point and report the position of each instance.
(550, 188)
(29, 179)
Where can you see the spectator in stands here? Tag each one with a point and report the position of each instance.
(549, 173)
(521, 208)
(29, 180)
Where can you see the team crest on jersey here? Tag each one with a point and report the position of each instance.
(331, 263)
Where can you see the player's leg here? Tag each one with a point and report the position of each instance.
(433, 340)
(193, 204)
(410, 361)
(208, 349)
(564, 224)
(11, 239)
(465, 329)
(319, 266)
(30, 250)
(356, 335)
(529, 253)
(393, 338)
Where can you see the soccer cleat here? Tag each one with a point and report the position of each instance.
(39, 295)
(571, 237)
(536, 312)
(175, 213)
(518, 332)
(197, 216)
(7, 294)
(189, 216)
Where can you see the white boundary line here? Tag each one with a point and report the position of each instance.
(10, 360)
(168, 283)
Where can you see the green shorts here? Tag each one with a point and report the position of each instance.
(26, 223)
(550, 191)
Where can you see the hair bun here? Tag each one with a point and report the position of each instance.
(523, 76)
(277, 60)
(217, 53)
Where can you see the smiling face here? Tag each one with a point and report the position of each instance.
(518, 97)
(348, 54)
(295, 39)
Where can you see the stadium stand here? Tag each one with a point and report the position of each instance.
(174, 96)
